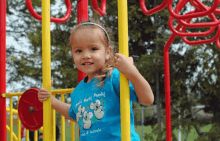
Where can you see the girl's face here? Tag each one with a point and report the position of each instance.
(89, 50)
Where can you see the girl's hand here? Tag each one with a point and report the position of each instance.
(124, 64)
(43, 94)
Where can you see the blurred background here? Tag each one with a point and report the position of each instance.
(194, 69)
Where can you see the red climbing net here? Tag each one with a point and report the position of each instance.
(184, 20)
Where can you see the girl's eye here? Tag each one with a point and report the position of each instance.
(78, 50)
(94, 48)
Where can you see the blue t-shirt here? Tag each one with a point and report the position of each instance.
(97, 110)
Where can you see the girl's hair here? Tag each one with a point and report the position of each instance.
(109, 64)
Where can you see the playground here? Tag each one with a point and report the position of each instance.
(191, 137)
(34, 115)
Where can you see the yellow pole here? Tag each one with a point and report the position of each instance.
(46, 69)
(62, 121)
(54, 123)
(41, 129)
(14, 111)
(124, 85)
(11, 120)
(19, 124)
(13, 134)
(36, 135)
(73, 131)
(27, 134)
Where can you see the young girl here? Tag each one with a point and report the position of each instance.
(95, 102)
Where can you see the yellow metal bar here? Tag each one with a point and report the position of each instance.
(36, 135)
(54, 123)
(124, 85)
(27, 134)
(13, 134)
(18, 124)
(12, 94)
(62, 91)
(73, 131)
(46, 68)
(14, 111)
(58, 91)
(41, 129)
(62, 122)
(11, 120)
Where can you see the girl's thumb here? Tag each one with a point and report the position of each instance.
(51, 82)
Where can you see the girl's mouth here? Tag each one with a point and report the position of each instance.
(87, 64)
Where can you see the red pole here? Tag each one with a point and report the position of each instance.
(3, 135)
(167, 85)
(82, 15)
(82, 11)
(167, 88)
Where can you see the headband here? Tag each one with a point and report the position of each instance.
(91, 23)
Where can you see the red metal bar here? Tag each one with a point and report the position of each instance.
(193, 15)
(96, 8)
(166, 52)
(191, 34)
(82, 11)
(215, 38)
(193, 3)
(198, 25)
(178, 8)
(167, 85)
(199, 6)
(182, 33)
(3, 133)
(56, 20)
(184, 21)
(155, 9)
(217, 42)
(203, 41)
(82, 15)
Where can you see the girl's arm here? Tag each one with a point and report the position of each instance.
(142, 88)
(61, 107)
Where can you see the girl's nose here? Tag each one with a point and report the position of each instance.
(86, 55)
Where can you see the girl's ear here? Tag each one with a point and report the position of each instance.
(108, 53)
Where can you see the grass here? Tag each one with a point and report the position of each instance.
(147, 129)
(190, 137)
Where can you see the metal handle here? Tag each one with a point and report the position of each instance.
(56, 20)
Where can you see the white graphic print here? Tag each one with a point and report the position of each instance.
(97, 107)
(80, 111)
(86, 119)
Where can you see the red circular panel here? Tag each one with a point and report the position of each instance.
(32, 120)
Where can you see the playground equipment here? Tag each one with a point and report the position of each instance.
(82, 6)
(184, 22)
(30, 110)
